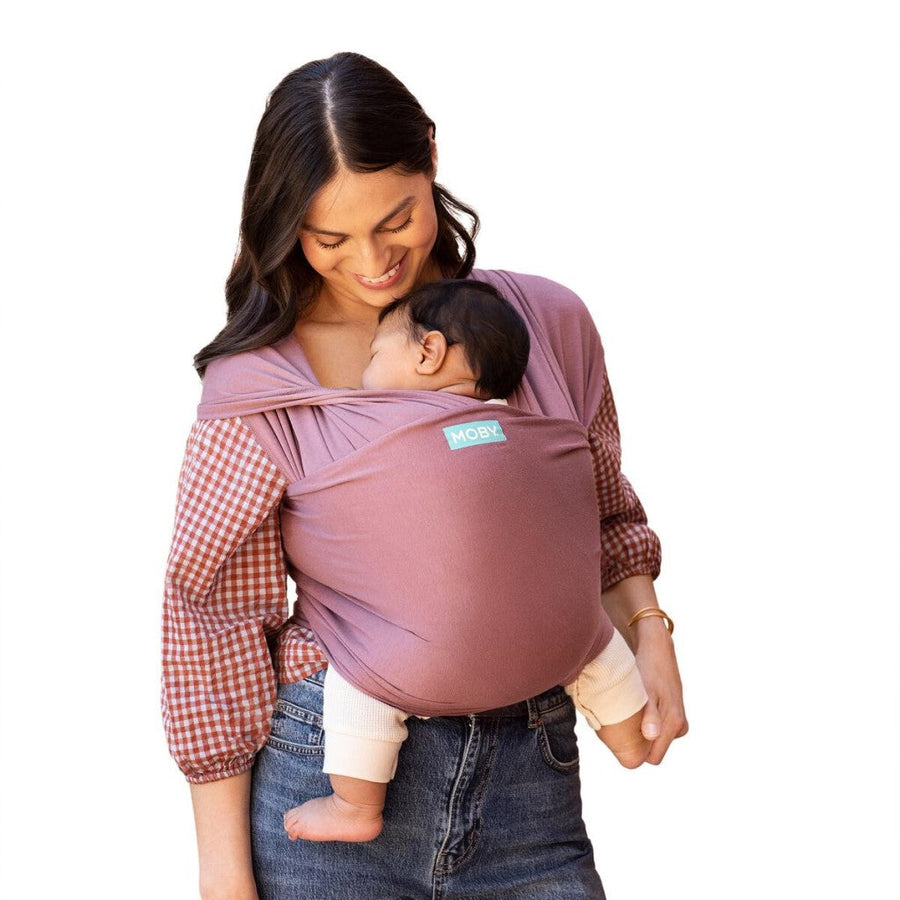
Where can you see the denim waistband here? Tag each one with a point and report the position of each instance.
(531, 708)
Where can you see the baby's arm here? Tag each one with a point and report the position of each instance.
(610, 694)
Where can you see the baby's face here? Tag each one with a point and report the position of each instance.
(395, 354)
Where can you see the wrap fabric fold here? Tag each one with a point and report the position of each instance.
(446, 553)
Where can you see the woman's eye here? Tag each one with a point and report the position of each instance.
(333, 246)
(400, 228)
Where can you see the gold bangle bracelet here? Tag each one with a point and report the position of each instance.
(652, 611)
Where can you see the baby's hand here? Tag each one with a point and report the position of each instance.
(625, 740)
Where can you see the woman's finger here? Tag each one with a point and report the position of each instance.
(650, 722)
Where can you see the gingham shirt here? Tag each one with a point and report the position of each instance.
(227, 637)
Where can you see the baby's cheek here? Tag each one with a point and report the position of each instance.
(369, 378)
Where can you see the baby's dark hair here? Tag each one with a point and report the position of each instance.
(471, 313)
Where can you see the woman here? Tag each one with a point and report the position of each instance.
(341, 215)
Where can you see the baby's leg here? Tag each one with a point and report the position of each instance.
(610, 694)
(362, 742)
(609, 688)
(351, 813)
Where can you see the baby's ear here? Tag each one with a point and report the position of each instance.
(433, 353)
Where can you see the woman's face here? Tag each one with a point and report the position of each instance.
(369, 235)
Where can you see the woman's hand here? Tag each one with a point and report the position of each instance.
(664, 717)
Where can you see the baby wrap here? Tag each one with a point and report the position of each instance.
(446, 553)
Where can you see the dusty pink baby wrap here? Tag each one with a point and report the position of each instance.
(446, 552)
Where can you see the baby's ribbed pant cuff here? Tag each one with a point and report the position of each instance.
(609, 688)
(363, 736)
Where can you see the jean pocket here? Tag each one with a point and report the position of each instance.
(296, 728)
(556, 738)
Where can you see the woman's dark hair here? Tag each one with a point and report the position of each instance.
(343, 111)
(473, 314)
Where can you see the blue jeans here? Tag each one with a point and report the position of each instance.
(483, 807)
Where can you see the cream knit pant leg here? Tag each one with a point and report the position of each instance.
(362, 734)
(609, 688)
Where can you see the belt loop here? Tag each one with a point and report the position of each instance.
(534, 716)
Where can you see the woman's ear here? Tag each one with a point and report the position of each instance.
(433, 352)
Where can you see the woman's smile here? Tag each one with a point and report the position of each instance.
(388, 279)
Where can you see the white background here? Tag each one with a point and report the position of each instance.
(718, 180)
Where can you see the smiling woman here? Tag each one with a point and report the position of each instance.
(345, 160)
(342, 215)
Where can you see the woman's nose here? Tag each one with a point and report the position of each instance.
(373, 258)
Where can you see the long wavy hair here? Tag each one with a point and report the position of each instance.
(345, 111)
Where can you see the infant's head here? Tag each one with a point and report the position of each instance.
(459, 336)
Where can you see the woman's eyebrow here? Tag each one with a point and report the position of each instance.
(399, 208)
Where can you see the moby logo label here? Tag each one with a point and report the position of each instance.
(468, 434)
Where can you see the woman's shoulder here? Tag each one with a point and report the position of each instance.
(565, 346)
(233, 375)
(234, 379)
(545, 298)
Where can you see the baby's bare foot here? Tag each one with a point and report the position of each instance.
(332, 818)
(626, 741)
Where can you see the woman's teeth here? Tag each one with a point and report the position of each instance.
(382, 278)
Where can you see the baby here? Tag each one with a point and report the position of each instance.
(461, 337)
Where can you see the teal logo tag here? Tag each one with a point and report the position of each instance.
(468, 434)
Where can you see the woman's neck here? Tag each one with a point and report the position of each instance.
(327, 309)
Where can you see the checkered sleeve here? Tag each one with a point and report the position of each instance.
(630, 546)
(225, 599)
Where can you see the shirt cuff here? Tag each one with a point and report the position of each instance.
(238, 767)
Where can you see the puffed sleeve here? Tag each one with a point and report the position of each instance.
(225, 599)
(630, 546)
